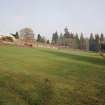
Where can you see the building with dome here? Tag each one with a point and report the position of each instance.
(26, 37)
(68, 39)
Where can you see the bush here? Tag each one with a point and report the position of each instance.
(7, 38)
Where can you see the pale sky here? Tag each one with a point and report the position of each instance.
(47, 16)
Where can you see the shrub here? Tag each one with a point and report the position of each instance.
(7, 38)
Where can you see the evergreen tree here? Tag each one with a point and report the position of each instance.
(102, 43)
(102, 38)
(97, 42)
(15, 35)
(55, 38)
(87, 44)
(77, 41)
(91, 43)
(39, 38)
(82, 45)
(61, 39)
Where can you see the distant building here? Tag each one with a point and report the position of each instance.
(68, 39)
(26, 37)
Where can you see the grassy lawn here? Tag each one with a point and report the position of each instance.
(51, 77)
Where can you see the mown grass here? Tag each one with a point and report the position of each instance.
(51, 77)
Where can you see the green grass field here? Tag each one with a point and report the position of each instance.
(38, 76)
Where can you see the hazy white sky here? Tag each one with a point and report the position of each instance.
(47, 16)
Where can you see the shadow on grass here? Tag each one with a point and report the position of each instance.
(88, 59)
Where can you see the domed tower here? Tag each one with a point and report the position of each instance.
(66, 34)
(69, 40)
(26, 35)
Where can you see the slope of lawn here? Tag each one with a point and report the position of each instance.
(36, 76)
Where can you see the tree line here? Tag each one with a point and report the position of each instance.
(95, 42)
